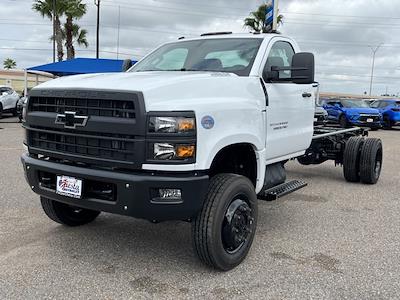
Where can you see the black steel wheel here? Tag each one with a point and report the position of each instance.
(66, 214)
(224, 229)
(351, 159)
(343, 121)
(237, 225)
(371, 160)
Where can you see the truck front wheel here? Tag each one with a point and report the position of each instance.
(66, 214)
(224, 229)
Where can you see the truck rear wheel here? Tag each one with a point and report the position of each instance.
(66, 214)
(371, 161)
(224, 229)
(351, 159)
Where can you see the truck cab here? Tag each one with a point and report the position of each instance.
(194, 131)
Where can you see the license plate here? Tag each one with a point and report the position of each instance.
(69, 186)
(370, 120)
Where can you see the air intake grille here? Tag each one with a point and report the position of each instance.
(87, 107)
(100, 147)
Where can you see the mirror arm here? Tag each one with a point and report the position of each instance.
(273, 68)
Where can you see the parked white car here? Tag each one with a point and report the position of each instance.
(8, 100)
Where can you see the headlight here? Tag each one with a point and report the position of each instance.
(354, 116)
(172, 125)
(24, 108)
(171, 151)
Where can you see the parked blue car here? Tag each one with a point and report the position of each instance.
(353, 112)
(390, 109)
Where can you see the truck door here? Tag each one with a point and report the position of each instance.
(291, 107)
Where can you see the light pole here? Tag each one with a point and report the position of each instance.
(374, 50)
(54, 31)
(119, 25)
(97, 3)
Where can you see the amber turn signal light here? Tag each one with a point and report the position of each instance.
(185, 151)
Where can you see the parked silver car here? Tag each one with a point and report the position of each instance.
(8, 100)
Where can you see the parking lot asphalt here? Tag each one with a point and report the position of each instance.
(331, 240)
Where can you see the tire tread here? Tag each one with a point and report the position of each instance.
(367, 160)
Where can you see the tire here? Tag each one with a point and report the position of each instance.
(15, 110)
(66, 214)
(1, 110)
(351, 159)
(371, 161)
(343, 121)
(224, 230)
(387, 123)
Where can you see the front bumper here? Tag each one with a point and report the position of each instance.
(132, 193)
(320, 119)
(366, 124)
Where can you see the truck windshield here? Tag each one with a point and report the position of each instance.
(234, 55)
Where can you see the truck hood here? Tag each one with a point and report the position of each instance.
(166, 90)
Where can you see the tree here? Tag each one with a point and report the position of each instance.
(45, 8)
(75, 10)
(9, 64)
(78, 36)
(256, 21)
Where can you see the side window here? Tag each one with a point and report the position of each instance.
(383, 104)
(172, 60)
(281, 55)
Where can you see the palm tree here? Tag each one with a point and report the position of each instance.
(74, 11)
(256, 21)
(45, 8)
(9, 64)
(78, 36)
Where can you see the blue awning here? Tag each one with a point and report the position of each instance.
(81, 66)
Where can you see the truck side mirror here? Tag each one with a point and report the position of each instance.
(303, 68)
(126, 65)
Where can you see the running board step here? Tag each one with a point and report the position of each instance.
(282, 190)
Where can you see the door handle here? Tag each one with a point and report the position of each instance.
(307, 95)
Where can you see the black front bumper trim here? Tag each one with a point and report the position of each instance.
(133, 190)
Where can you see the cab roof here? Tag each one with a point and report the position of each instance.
(229, 35)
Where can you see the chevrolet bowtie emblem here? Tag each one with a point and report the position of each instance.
(70, 120)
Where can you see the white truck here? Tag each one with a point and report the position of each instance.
(198, 130)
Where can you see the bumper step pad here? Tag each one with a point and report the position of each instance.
(282, 190)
